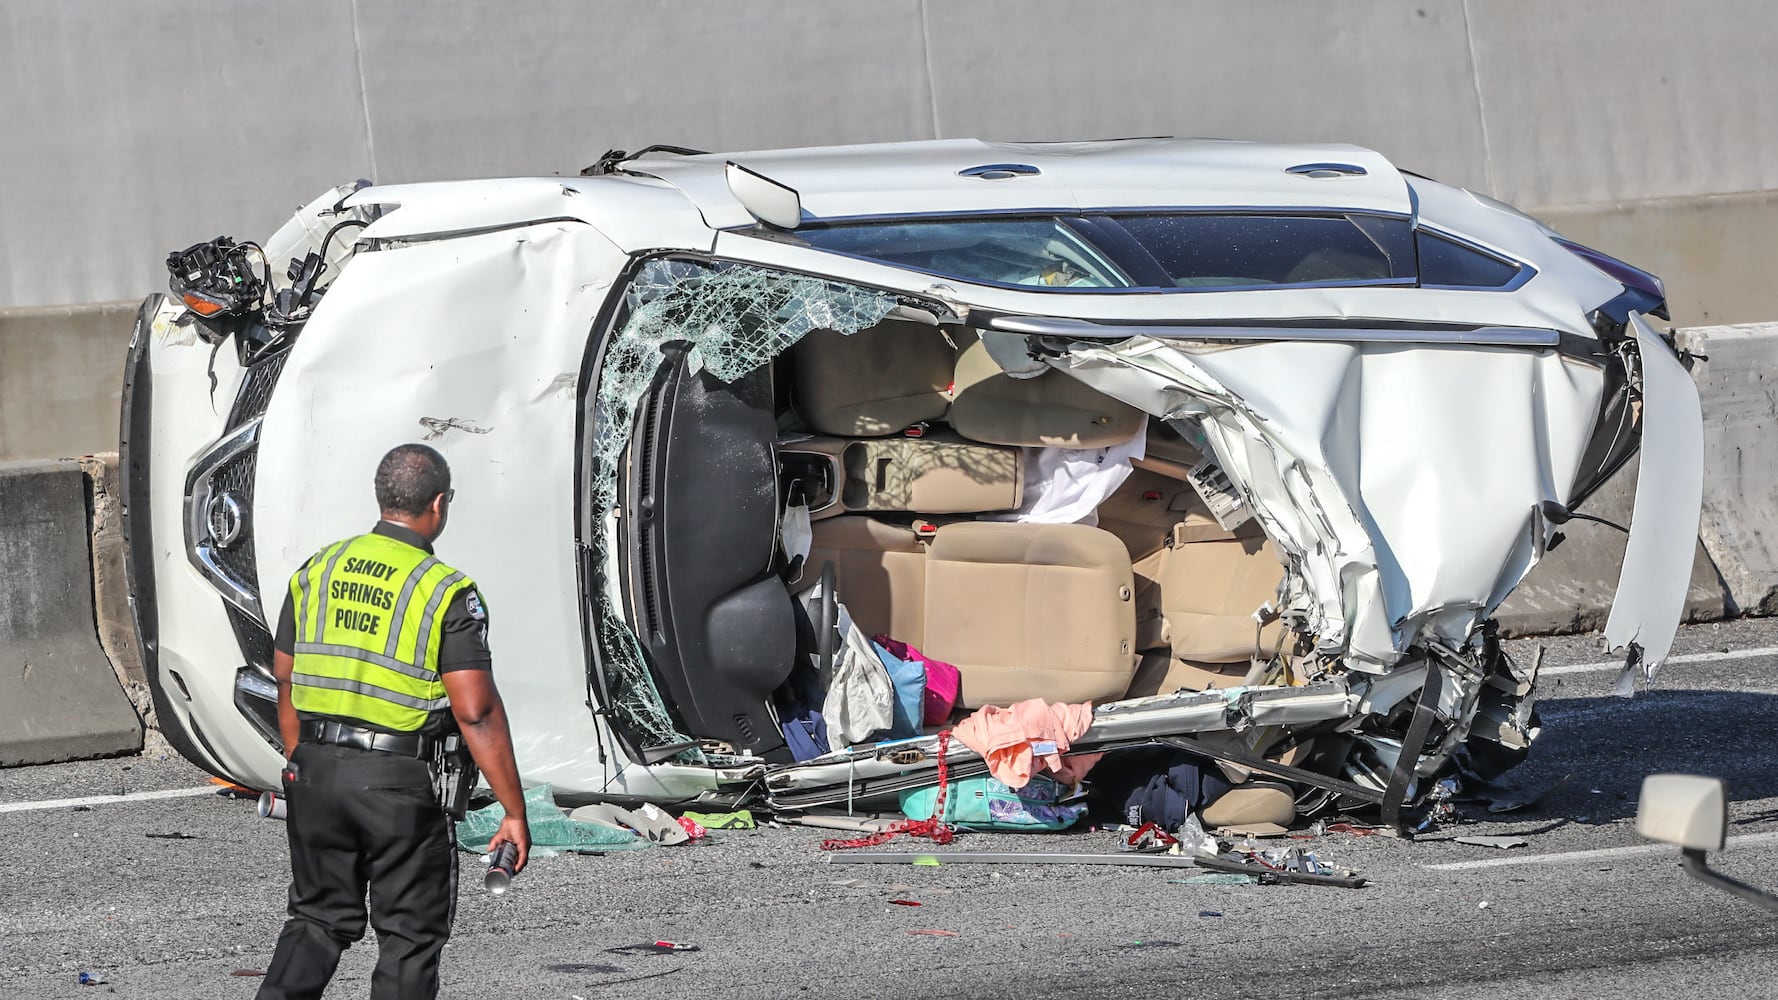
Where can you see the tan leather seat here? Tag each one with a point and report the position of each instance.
(874, 382)
(1023, 610)
(880, 571)
(1051, 410)
(1197, 584)
(1031, 611)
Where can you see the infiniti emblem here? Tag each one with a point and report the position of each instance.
(227, 519)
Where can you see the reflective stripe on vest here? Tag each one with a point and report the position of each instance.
(367, 632)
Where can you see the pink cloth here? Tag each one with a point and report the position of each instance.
(1029, 733)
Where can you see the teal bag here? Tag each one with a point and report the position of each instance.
(986, 803)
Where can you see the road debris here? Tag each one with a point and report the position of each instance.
(740, 819)
(1503, 843)
(662, 947)
(929, 932)
(92, 979)
(1216, 878)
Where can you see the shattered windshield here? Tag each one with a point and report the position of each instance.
(736, 317)
(1168, 252)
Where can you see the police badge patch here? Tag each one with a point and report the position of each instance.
(473, 601)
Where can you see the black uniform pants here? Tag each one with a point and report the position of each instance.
(364, 819)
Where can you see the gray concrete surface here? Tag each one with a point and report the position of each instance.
(140, 118)
(1572, 588)
(61, 699)
(1713, 253)
(91, 889)
(61, 378)
(1738, 386)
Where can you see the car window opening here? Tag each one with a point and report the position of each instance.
(1137, 252)
(928, 475)
(732, 319)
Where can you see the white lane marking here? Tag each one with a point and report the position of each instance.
(1599, 854)
(105, 800)
(1588, 668)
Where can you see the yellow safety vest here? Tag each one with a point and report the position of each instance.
(369, 625)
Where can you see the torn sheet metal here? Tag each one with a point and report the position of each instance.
(1137, 719)
(1397, 482)
(1664, 528)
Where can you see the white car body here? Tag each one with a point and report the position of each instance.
(1393, 441)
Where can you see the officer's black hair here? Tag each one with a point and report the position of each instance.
(409, 477)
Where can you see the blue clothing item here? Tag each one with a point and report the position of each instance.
(1174, 794)
(909, 678)
(806, 735)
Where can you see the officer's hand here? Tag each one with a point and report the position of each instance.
(513, 830)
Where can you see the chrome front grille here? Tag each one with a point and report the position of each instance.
(216, 518)
(256, 390)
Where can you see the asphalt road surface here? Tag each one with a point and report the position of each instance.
(1587, 909)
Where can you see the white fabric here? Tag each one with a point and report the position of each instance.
(860, 700)
(1067, 485)
(796, 534)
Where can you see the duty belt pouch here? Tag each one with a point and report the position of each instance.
(453, 775)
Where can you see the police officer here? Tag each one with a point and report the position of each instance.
(381, 648)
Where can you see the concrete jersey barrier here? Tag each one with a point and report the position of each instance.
(59, 699)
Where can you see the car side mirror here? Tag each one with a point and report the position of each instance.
(1683, 809)
(1692, 812)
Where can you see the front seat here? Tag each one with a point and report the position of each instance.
(1052, 410)
(874, 382)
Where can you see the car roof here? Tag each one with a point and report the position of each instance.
(930, 177)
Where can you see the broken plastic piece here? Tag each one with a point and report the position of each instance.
(1504, 843)
(738, 820)
(652, 948)
(92, 979)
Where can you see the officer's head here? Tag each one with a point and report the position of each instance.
(414, 488)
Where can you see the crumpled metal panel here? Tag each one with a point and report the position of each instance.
(1398, 482)
(474, 343)
(1669, 493)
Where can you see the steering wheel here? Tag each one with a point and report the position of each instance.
(827, 621)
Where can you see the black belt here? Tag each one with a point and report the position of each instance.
(341, 734)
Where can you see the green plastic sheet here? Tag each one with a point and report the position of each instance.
(550, 827)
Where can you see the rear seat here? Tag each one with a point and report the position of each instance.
(1197, 586)
(1023, 610)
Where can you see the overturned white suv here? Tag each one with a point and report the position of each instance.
(1241, 443)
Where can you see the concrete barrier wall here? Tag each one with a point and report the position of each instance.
(1737, 376)
(61, 379)
(61, 699)
(152, 125)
